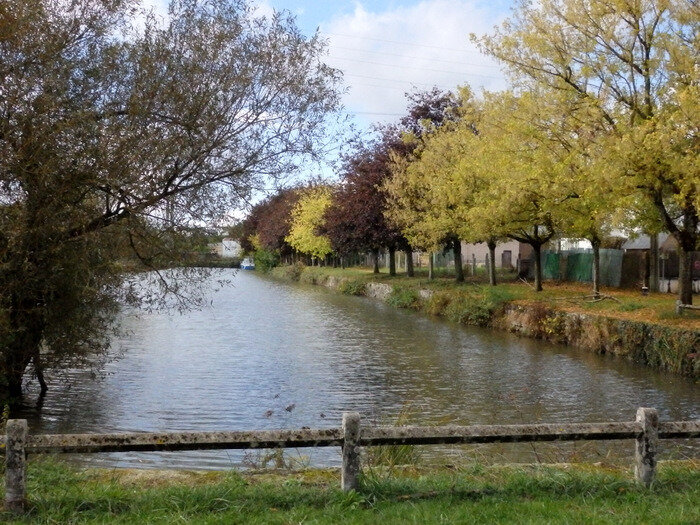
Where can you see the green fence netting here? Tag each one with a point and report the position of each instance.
(579, 267)
(550, 265)
(611, 267)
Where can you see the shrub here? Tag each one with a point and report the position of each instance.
(313, 275)
(403, 297)
(266, 260)
(476, 307)
(352, 287)
(291, 272)
(438, 303)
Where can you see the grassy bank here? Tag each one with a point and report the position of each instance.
(503, 494)
(645, 329)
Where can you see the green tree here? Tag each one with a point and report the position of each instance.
(114, 135)
(634, 64)
(415, 202)
(518, 196)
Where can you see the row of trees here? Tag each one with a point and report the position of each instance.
(351, 216)
(599, 131)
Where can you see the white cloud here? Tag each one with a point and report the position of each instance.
(385, 54)
(263, 9)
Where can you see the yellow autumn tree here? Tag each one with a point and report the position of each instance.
(634, 65)
(307, 217)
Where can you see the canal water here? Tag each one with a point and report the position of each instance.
(269, 355)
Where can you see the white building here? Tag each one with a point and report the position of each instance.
(228, 249)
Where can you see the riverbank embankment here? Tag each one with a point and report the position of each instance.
(59, 493)
(643, 329)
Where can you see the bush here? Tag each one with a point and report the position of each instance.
(438, 303)
(291, 272)
(313, 275)
(403, 297)
(266, 260)
(476, 307)
(352, 287)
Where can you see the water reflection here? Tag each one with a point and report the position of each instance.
(269, 355)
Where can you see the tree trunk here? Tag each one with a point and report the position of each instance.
(375, 256)
(492, 265)
(12, 373)
(430, 266)
(39, 371)
(685, 276)
(392, 261)
(596, 267)
(537, 254)
(409, 262)
(687, 236)
(457, 251)
(28, 329)
(654, 262)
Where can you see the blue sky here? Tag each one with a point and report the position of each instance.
(387, 48)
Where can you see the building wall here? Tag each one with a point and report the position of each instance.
(480, 251)
(229, 248)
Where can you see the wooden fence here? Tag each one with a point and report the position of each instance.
(646, 430)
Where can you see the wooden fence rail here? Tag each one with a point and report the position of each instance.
(646, 430)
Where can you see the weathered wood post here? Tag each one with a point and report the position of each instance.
(349, 477)
(646, 446)
(15, 465)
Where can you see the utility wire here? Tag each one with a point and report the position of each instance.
(414, 67)
(355, 37)
(373, 52)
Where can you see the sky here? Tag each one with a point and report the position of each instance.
(387, 48)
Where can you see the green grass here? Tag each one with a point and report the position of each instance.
(504, 494)
(404, 297)
(654, 308)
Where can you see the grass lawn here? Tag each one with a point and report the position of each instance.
(476, 494)
(657, 308)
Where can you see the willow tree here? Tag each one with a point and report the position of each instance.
(633, 63)
(117, 132)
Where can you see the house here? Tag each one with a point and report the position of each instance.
(507, 253)
(227, 249)
(667, 243)
(230, 248)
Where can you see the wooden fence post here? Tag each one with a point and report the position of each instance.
(351, 451)
(646, 446)
(15, 465)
